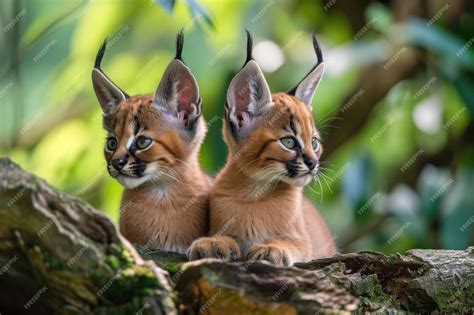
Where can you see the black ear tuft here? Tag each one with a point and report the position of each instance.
(179, 45)
(249, 46)
(306, 88)
(100, 54)
(317, 49)
(108, 94)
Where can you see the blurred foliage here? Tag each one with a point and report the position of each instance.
(371, 195)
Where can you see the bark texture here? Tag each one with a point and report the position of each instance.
(60, 256)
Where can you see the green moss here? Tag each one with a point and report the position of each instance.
(114, 262)
(371, 293)
(168, 261)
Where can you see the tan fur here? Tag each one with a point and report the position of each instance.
(168, 211)
(266, 219)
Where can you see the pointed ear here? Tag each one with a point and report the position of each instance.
(307, 87)
(248, 99)
(108, 94)
(248, 96)
(177, 94)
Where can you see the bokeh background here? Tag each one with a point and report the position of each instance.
(395, 107)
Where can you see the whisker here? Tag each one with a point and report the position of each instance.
(263, 170)
(327, 169)
(326, 115)
(184, 162)
(253, 161)
(171, 176)
(324, 178)
(313, 190)
(322, 192)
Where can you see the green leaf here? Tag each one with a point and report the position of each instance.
(198, 11)
(463, 84)
(380, 14)
(167, 5)
(440, 41)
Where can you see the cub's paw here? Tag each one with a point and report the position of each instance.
(222, 247)
(272, 253)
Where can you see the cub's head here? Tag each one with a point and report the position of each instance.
(151, 137)
(273, 137)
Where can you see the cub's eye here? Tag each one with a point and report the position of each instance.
(111, 144)
(315, 144)
(288, 142)
(143, 142)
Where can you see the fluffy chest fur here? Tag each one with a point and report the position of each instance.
(252, 221)
(168, 219)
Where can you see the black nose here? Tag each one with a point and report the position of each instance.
(311, 163)
(118, 164)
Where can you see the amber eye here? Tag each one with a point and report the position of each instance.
(111, 144)
(315, 144)
(289, 142)
(143, 142)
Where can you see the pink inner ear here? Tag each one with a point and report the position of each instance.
(186, 96)
(243, 102)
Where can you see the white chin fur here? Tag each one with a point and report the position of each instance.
(297, 181)
(132, 182)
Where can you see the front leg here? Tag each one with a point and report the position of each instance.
(222, 247)
(279, 251)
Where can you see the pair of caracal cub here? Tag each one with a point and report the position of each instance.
(254, 209)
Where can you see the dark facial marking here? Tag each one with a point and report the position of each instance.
(136, 127)
(292, 167)
(138, 167)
